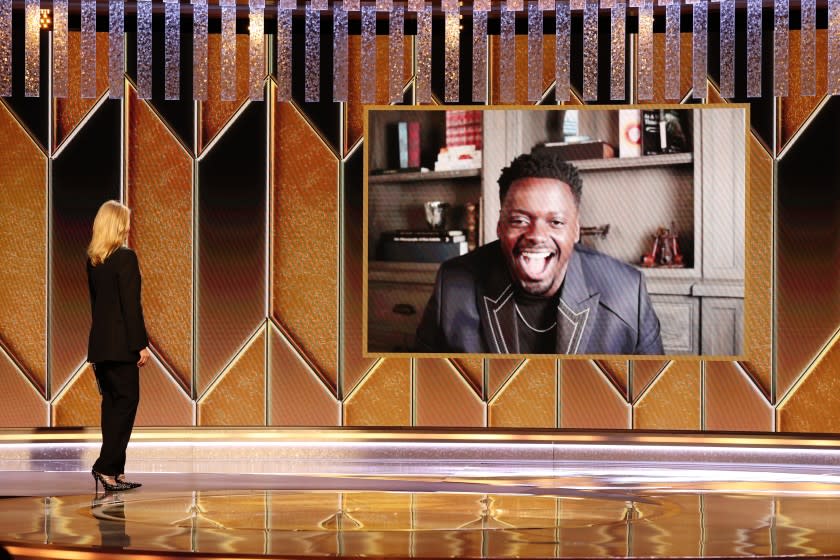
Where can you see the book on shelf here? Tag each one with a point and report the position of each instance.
(595, 149)
(409, 143)
(420, 251)
(450, 236)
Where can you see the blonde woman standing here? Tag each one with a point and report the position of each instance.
(117, 346)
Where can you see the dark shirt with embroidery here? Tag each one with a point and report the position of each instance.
(536, 322)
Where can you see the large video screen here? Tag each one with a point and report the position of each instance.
(579, 231)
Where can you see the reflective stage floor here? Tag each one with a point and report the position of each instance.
(698, 504)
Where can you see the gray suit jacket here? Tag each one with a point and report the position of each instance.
(604, 307)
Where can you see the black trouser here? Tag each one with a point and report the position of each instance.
(119, 383)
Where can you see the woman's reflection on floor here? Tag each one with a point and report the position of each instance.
(109, 511)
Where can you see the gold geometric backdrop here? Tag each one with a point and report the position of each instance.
(247, 218)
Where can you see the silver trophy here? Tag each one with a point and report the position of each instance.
(436, 214)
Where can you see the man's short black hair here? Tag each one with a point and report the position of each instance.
(544, 165)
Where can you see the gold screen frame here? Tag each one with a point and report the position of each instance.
(758, 237)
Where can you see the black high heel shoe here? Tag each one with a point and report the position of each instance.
(99, 478)
(120, 478)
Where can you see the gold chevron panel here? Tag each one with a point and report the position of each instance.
(528, 399)
(444, 397)
(355, 364)
(733, 402)
(644, 372)
(659, 68)
(297, 396)
(237, 398)
(305, 259)
(752, 516)
(383, 397)
(353, 110)
(588, 399)
(814, 403)
(796, 108)
(498, 371)
(673, 400)
(162, 401)
(70, 111)
(23, 244)
(23, 406)
(79, 403)
(667, 535)
(521, 64)
(758, 309)
(215, 113)
(159, 179)
(618, 372)
(473, 370)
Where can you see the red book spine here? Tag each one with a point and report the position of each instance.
(413, 144)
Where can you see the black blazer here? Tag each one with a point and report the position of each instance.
(117, 331)
(604, 307)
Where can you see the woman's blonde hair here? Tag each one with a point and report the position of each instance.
(110, 230)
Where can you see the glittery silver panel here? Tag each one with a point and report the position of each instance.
(546, 5)
(424, 54)
(590, 50)
(481, 6)
(287, 5)
(507, 56)
(833, 47)
(32, 69)
(116, 50)
(754, 48)
(284, 55)
(368, 61)
(256, 49)
(781, 22)
(618, 16)
(535, 52)
(727, 48)
(644, 78)
(351, 5)
(144, 49)
(448, 5)
(514, 5)
(172, 71)
(199, 50)
(228, 52)
(672, 51)
(59, 74)
(320, 5)
(88, 58)
(479, 57)
(6, 48)
(396, 36)
(340, 59)
(576, 4)
(562, 43)
(313, 55)
(808, 47)
(452, 35)
(699, 46)
(384, 5)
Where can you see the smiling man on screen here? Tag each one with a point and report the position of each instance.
(536, 290)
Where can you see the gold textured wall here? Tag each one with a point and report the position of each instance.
(272, 337)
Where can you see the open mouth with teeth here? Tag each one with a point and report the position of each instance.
(534, 263)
